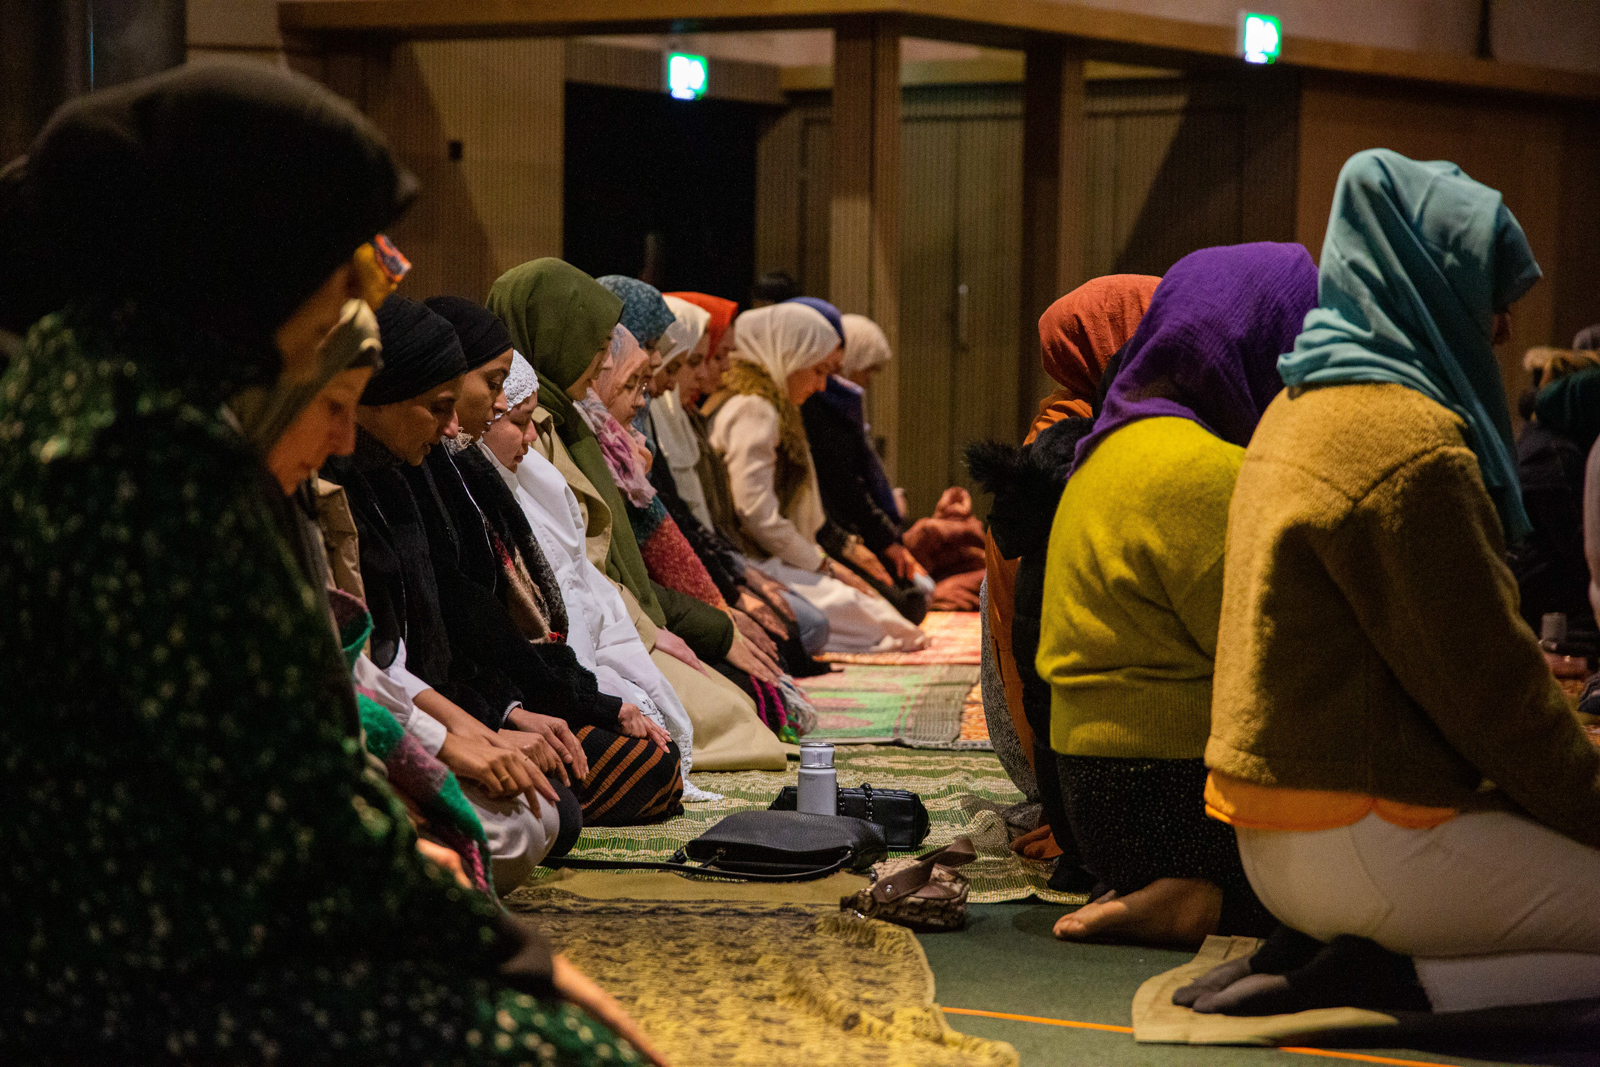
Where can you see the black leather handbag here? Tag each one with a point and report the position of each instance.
(899, 812)
(767, 846)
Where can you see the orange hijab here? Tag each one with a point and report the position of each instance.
(1079, 334)
(722, 313)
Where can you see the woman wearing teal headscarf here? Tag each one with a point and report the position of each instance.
(1373, 673)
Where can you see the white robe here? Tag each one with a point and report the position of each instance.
(681, 446)
(600, 631)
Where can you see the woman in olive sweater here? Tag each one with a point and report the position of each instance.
(1398, 762)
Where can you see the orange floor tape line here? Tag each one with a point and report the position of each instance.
(1360, 1057)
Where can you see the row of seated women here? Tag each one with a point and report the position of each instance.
(1267, 672)
(368, 613)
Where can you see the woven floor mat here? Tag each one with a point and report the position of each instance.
(953, 637)
(765, 985)
(917, 705)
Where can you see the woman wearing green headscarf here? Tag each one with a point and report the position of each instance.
(1373, 673)
(561, 320)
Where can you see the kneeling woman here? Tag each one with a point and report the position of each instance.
(757, 427)
(1373, 674)
(1133, 591)
(431, 581)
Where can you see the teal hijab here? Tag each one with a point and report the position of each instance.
(1417, 260)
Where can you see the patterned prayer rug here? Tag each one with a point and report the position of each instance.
(954, 637)
(965, 793)
(764, 985)
(916, 705)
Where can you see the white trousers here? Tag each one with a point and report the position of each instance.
(856, 622)
(1494, 908)
(518, 839)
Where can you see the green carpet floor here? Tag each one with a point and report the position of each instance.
(1007, 961)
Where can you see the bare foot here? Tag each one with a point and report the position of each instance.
(1039, 844)
(1168, 911)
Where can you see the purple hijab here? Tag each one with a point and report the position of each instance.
(1207, 348)
(827, 310)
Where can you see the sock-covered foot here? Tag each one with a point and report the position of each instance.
(1168, 911)
(1037, 844)
(1287, 949)
(1351, 972)
(1070, 877)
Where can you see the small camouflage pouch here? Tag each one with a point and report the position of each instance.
(926, 894)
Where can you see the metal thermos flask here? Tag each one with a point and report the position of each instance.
(819, 782)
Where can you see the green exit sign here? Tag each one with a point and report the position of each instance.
(1260, 37)
(686, 76)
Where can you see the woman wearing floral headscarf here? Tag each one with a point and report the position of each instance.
(756, 425)
(199, 868)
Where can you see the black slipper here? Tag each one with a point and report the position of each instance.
(1285, 950)
(1351, 972)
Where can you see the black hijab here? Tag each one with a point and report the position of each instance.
(218, 196)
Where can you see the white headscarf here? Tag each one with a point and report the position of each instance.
(522, 382)
(865, 346)
(688, 327)
(784, 338)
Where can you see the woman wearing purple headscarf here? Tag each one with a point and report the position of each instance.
(1133, 592)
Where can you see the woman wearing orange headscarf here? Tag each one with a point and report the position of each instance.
(1078, 335)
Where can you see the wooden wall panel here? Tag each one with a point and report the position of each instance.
(1514, 147)
(780, 189)
(500, 204)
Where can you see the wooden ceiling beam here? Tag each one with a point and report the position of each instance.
(1103, 34)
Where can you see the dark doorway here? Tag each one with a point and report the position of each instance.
(662, 189)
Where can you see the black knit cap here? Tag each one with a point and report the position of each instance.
(483, 336)
(420, 352)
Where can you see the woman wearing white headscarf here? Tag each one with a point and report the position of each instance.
(675, 434)
(723, 733)
(780, 362)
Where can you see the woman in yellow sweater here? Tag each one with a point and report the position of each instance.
(1386, 737)
(1133, 590)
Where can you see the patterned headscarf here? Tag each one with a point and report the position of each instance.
(522, 382)
(644, 312)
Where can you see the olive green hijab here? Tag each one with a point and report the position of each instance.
(559, 317)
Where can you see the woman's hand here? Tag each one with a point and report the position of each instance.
(579, 989)
(905, 564)
(678, 649)
(752, 632)
(771, 590)
(502, 772)
(863, 557)
(634, 723)
(758, 610)
(557, 734)
(848, 577)
(748, 658)
(538, 749)
(445, 858)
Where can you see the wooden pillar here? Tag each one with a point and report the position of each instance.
(864, 221)
(1054, 148)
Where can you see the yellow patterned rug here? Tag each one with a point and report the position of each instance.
(764, 985)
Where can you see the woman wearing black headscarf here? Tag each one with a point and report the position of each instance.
(432, 571)
(196, 867)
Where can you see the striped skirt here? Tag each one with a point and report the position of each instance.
(631, 780)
